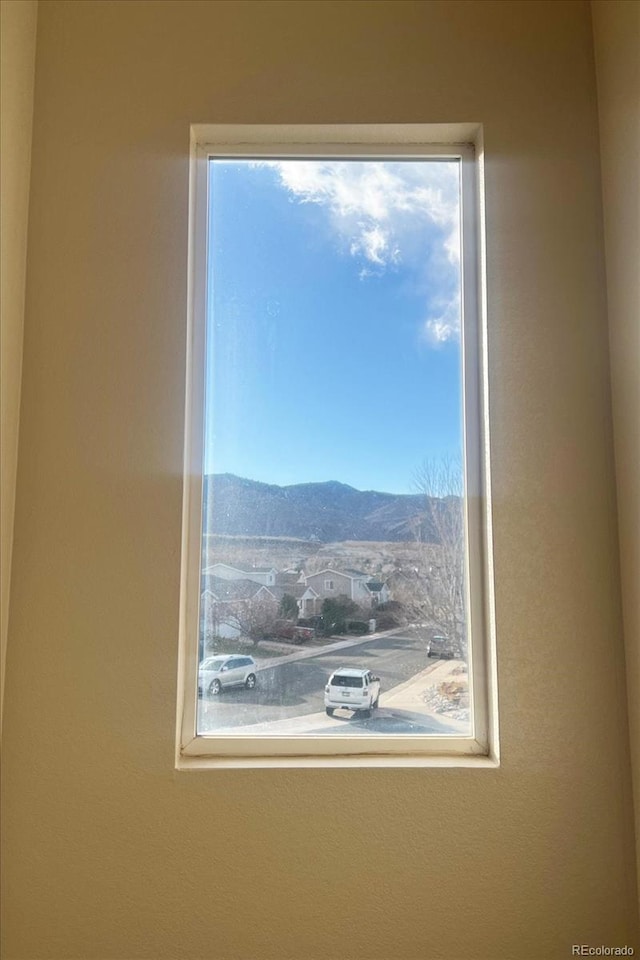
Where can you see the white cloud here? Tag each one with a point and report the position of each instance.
(374, 244)
(443, 324)
(384, 213)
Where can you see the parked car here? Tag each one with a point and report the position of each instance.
(316, 621)
(442, 648)
(354, 688)
(288, 630)
(234, 670)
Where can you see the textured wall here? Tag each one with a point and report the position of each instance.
(616, 27)
(113, 854)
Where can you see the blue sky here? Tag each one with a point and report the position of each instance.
(333, 320)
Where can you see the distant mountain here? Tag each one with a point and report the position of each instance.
(328, 511)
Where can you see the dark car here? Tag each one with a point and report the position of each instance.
(442, 648)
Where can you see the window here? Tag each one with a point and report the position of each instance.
(336, 415)
(346, 681)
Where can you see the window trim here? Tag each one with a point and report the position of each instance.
(382, 141)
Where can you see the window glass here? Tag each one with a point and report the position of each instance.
(340, 680)
(333, 437)
(212, 663)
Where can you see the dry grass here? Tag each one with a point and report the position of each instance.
(377, 558)
(455, 692)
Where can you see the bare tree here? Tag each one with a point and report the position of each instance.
(253, 618)
(438, 588)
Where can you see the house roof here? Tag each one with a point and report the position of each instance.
(230, 590)
(350, 574)
(232, 566)
(295, 590)
(375, 585)
(283, 579)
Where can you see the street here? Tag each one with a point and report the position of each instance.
(296, 688)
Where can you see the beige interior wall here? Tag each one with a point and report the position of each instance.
(617, 47)
(18, 48)
(111, 853)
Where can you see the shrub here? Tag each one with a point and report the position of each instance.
(336, 612)
(357, 627)
(389, 615)
(288, 607)
(386, 621)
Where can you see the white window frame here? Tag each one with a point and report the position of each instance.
(372, 141)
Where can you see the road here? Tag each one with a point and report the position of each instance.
(296, 688)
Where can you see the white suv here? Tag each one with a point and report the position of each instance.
(235, 670)
(353, 688)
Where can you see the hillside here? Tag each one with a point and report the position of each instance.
(379, 559)
(326, 512)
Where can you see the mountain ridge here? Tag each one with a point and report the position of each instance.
(327, 511)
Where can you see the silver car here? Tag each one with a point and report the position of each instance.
(233, 670)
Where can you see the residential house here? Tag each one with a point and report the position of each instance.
(379, 591)
(330, 584)
(223, 601)
(309, 602)
(265, 575)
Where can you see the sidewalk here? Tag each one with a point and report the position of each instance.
(303, 653)
(409, 696)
